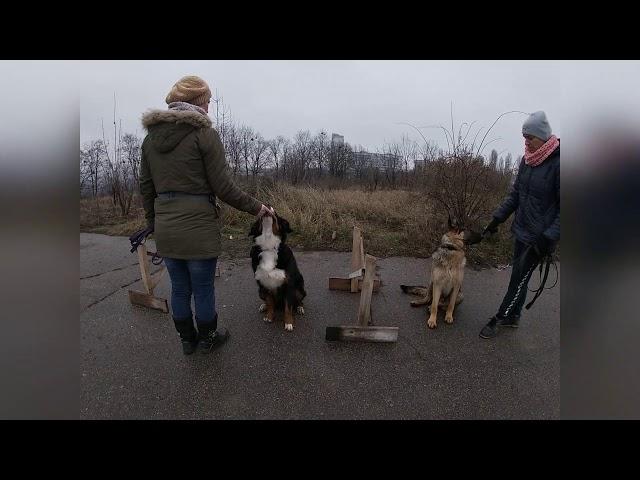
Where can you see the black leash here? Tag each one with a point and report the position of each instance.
(543, 262)
(547, 261)
(139, 238)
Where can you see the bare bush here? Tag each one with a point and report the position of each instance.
(460, 179)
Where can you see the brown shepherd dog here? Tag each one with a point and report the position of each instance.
(447, 273)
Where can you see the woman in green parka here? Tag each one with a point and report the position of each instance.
(182, 174)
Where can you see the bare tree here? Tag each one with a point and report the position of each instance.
(258, 155)
(358, 162)
(340, 158)
(245, 137)
(391, 153)
(93, 159)
(320, 148)
(508, 164)
(299, 157)
(90, 167)
(232, 149)
(493, 159)
(131, 155)
(276, 147)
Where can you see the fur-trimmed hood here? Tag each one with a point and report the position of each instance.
(153, 117)
(167, 128)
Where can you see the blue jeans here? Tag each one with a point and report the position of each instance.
(193, 277)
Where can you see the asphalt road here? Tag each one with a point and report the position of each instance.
(132, 364)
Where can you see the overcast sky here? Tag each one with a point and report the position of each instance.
(364, 100)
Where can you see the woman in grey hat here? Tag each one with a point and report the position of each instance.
(535, 199)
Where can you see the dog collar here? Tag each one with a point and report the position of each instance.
(448, 246)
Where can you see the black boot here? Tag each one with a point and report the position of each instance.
(188, 334)
(209, 337)
(490, 330)
(510, 321)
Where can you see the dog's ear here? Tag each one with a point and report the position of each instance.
(284, 225)
(453, 224)
(255, 229)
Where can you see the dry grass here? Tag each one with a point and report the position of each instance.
(395, 223)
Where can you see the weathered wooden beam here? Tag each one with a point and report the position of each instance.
(149, 301)
(364, 311)
(356, 333)
(144, 269)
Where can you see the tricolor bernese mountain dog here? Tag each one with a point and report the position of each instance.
(280, 283)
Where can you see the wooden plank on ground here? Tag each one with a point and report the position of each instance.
(149, 301)
(354, 333)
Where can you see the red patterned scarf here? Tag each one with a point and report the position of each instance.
(536, 158)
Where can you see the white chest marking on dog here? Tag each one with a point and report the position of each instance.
(266, 273)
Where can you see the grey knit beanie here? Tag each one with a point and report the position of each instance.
(537, 125)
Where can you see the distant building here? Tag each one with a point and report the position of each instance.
(379, 161)
(419, 164)
(363, 159)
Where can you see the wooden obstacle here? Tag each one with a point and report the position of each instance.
(364, 331)
(353, 282)
(146, 298)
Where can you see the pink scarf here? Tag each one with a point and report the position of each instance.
(536, 158)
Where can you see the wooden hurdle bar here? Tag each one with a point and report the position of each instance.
(353, 282)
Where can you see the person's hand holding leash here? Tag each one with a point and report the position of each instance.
(543, 246)
(491, 228)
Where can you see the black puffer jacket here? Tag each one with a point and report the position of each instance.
(535, 197)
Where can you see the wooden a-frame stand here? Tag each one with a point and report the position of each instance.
(364, 331)
(146, 298)
(353, 283)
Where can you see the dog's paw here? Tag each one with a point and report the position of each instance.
(262, 307)
(300, 310)
(416, 303)
(288, 327)
(267, 319)
(431, 323)
(448, 319)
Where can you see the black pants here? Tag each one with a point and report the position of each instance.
(521, 272)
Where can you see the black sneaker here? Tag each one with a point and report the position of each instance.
(489, 330)
(510, 322)
(213, 339)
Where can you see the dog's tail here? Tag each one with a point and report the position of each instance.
(414, 290)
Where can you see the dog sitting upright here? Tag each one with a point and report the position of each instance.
(280, 283)
(447, 273)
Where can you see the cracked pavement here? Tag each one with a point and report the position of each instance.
(132, 366)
